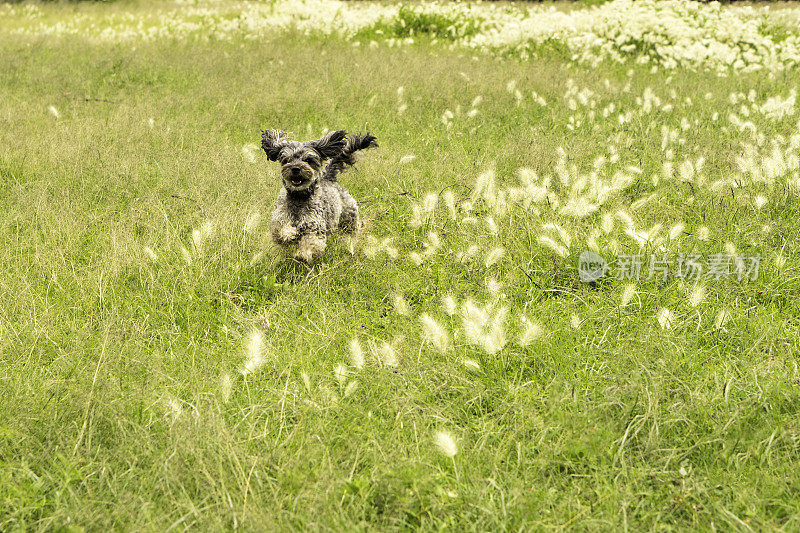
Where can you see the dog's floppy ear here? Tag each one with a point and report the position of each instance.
(330, 145)
(272, 141)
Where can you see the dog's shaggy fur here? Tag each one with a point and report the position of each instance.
(311, 204)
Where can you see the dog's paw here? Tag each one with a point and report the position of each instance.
(287, 234)
(304, 255)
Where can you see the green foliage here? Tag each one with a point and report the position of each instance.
(413, 20)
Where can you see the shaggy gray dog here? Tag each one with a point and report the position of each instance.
(311, 204)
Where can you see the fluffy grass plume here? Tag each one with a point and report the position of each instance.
(434, 333)
(400, 304)
(256, 352)
(627, 294)
(531, 331)
(446, 443)
(356, 354)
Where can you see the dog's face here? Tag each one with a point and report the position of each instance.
(300, 167)
(301, 163)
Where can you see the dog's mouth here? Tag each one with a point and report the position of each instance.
(296, 180)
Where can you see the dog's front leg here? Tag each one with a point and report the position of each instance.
(310, 247)
(282, 229)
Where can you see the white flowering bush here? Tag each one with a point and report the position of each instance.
(665, 33)
(671, 33)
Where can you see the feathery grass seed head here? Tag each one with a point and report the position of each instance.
(256, 352)
(446, 443)
(434, 333)
(356, 354)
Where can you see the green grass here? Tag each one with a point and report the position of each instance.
(615, 424)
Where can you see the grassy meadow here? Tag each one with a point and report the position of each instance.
(165, 367)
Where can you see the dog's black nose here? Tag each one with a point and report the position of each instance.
(295, 171)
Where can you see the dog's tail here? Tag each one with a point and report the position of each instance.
(347, 158)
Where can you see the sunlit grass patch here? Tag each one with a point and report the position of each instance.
(166, 365)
